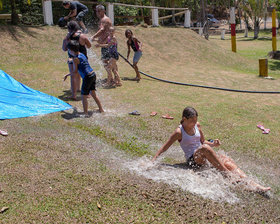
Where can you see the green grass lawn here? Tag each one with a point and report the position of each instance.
(261, 47)
(53, 169)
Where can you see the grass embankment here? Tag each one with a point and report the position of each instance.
(53, 168)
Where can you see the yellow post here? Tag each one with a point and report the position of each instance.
(263, 68)
(274, 46)
(233, 43)
(1, 5)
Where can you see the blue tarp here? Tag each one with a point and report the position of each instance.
(18, 100)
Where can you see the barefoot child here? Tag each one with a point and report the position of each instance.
(80, 63)
(112, 46)
(136, 46)
(197, 150)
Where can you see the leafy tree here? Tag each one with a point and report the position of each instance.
(31, 11)
(254, 9)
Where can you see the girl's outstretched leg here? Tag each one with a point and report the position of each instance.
(205, 152)
(241, 176)
(231, 166)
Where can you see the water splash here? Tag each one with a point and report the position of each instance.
(96, 63)
(207, 183)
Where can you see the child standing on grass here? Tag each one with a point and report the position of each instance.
(80, 63)
(74, 33)
(112, 46)
(198, 150)
(136, 46)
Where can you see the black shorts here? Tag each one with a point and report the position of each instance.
(81, 15)
(89, 82)
(191, 163)
(114, 55)
(105, 54)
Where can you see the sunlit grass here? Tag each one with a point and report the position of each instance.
(51, 151)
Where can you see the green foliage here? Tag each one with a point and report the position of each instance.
(31, 14)
(254, 9)
(125, 11)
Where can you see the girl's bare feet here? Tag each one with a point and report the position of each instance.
(259, 188)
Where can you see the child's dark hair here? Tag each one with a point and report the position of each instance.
(73, 45)
(189, 112)
(126, 32)
(73, 26)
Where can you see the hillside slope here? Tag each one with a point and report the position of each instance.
(62, 168)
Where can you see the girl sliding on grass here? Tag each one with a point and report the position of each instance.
(136, 46)
(198, 150)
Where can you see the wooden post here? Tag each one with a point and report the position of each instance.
(47, 11)
(110, 12)
(274, 44)
(223, 34)
(155, 17)
(187, 22)
(263, 68)
(200, 31)
(232, 28)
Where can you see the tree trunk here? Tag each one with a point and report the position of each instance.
(202, 14)
(265, 14)
(240, 17)
(256, 29)
(15, 18)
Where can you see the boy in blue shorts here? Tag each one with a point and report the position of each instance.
(81, 65)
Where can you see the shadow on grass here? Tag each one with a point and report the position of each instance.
(67, 96)
(14, 31)
(252, 39)
(274, 65)
(134, 80)
(75, 114)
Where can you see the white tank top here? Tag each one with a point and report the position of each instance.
(190, 143)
